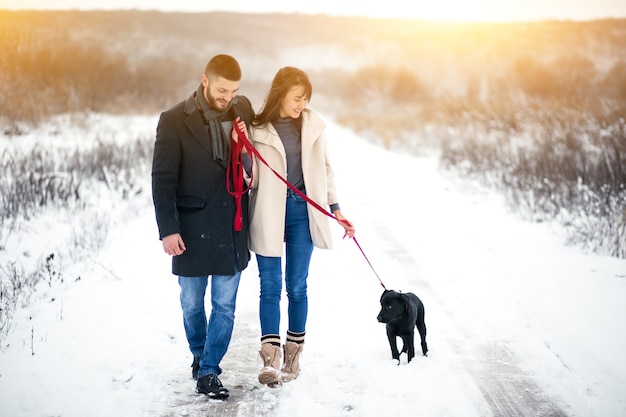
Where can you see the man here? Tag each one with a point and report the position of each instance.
(195, 212)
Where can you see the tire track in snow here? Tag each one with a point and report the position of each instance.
(506, 388)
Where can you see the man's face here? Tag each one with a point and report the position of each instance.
(219, 91)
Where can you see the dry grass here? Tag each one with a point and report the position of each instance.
(536, 109)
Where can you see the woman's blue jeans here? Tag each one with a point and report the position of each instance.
(298, 250)
(209, 342)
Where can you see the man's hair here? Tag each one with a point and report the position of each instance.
(223, 66)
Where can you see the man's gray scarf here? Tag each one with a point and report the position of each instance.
(212, 120)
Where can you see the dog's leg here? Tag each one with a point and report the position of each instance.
(409, 344)
(421, 328)
(393, 344)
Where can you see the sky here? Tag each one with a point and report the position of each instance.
(517, 321)
(449, 10)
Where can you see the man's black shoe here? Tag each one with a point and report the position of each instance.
(195, 367)
(211, 386)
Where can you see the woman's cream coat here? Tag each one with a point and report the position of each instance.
(268, 193)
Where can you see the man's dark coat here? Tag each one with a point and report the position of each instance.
(190, 195)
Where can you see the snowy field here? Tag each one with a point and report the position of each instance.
(518, 323)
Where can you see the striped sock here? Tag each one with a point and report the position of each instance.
(273, 339)
(295, 337)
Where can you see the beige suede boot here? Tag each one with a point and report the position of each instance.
(291, 366)
(270, 373)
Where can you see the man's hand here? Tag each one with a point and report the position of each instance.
(173, 244)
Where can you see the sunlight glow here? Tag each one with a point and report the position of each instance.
(437, 10)
(454, 10)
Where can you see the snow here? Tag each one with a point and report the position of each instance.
(515, 318)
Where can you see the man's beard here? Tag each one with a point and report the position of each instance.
(215, 104)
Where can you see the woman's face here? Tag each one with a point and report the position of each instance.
(294, 102)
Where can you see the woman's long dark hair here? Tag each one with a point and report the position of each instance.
(285, 79)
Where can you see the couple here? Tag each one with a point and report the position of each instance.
(197, 221)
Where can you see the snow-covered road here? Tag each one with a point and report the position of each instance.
(518, 324)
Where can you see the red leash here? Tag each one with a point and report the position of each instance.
(243, 142)
(235, 166)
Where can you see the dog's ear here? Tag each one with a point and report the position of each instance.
(405, 300)
(408, 306)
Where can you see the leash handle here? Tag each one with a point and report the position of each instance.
(245, 143)
(234, 169)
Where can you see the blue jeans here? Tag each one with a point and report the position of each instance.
(209, 342)
(298, 250)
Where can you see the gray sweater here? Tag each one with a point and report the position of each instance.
(290, 135)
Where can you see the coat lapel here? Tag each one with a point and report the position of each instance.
(268, 136)
(312, 128)
(195, 124)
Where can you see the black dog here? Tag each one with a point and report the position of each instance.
(402, 312)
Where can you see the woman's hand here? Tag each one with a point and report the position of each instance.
(233, 132)
(242, 126)
(345, 223)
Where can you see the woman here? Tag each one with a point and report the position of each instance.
(291, 139)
